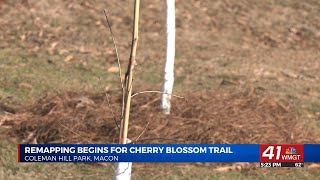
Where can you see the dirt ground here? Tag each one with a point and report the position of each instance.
(250, 72)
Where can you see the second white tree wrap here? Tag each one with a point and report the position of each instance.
(170, 55)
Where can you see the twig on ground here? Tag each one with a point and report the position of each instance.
(72, 131)
(178, 140)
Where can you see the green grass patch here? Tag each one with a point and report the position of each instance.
(27, 76)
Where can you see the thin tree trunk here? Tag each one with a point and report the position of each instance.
(123, 169)
(170, 53)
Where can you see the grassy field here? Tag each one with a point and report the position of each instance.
(268, 47)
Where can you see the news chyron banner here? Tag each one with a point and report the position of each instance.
(268, 155)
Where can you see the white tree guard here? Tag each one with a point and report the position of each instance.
(170, 53)
(123, 171)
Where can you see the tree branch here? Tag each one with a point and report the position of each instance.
(142, 92)
(144, 129)
(115, 47)
(109, 105)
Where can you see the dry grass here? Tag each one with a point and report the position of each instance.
(210, 117)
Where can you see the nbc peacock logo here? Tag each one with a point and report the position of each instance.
(291, 150)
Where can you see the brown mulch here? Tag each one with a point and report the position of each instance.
(210, 117)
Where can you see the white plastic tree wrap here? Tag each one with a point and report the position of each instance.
(170, 53)
(123, 171)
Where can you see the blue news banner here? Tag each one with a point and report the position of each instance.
(149, 153)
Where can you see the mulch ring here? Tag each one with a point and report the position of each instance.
(214, 117)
